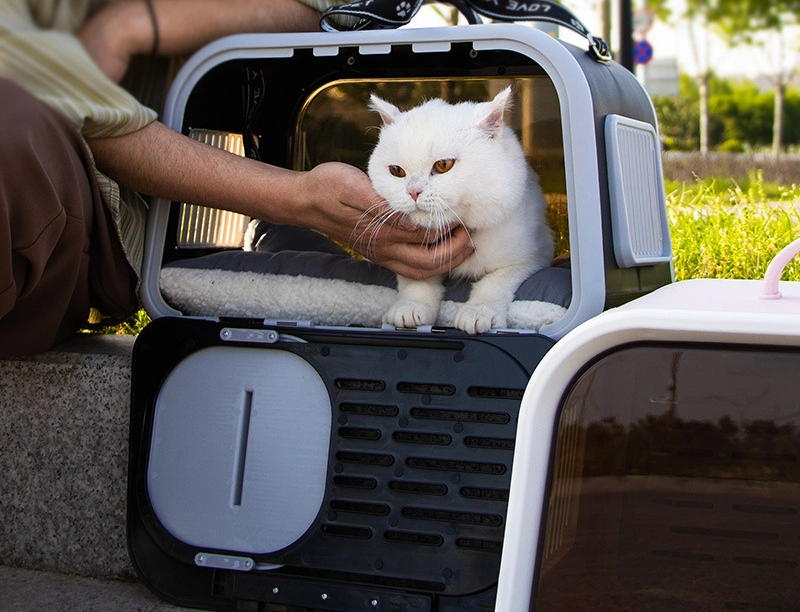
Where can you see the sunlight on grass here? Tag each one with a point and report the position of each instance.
(130, 327)
(731, 231)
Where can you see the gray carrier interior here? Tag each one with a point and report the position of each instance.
(588, 128)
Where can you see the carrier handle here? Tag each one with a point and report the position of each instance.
(387, 14)
(775, 270)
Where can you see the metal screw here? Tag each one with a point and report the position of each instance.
(324, 596)
(374, 603)
(275, 590)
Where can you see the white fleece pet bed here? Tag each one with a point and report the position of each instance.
(330, 289)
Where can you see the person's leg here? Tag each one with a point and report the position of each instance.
(48, 204)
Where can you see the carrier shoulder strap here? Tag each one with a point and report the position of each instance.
(388, 14)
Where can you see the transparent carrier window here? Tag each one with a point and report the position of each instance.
(335, 124)
(676, 484)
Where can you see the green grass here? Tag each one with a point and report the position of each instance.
(721, 229)
(131, 326)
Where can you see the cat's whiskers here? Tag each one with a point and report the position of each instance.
(372, 228)
(447, 223)
(442, 234)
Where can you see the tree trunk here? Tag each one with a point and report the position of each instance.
(604, 19)
(777, 124)
(702, 83)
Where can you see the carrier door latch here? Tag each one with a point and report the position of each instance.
(231, 562)
(239, 334)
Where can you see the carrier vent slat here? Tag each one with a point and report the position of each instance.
(442, 414)
(426, 388)
(357, 384)
(453, 465)
(489, 443)
(205, 227)
(421, 488)
(452, 516)
(480, 545)
(419, 539)
(360, 507)
(346, 531)
(485, 494)
(366, 458)
(417, 437)
(355, 482)
(369, 409)
(495, 393)
(358, 433)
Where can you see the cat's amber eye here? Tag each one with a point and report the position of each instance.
(397, 171)
(443, 165)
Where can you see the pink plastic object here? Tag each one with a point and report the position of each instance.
(775, 270)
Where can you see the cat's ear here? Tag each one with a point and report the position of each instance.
(492, 113)
(388, 111)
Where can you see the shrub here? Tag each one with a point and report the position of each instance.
(731, 146)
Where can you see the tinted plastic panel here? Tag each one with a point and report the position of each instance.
(677, 483)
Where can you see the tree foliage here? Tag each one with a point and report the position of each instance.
(745, 22)
(737, 22)
(678, 116)
(740, 20)
(740, 115)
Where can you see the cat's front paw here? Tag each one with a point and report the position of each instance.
(410, 313)
(479, 318)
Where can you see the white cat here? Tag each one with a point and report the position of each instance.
(444, 164)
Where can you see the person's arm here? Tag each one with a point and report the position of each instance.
(123, 29)
(333, 198)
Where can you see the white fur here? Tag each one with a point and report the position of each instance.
(491, 190)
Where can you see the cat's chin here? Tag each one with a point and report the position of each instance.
(429, 221)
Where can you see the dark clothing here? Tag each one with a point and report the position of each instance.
(59, 250)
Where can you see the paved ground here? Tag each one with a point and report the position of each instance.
(32, 591)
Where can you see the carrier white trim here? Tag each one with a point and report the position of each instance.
(714, 311)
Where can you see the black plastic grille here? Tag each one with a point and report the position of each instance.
(420, 465)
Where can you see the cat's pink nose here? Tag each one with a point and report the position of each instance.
(414, 193)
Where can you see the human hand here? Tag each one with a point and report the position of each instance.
(341, 202)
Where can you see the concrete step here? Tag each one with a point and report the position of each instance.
(63, 481)
(63, 458)
(24, 590)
